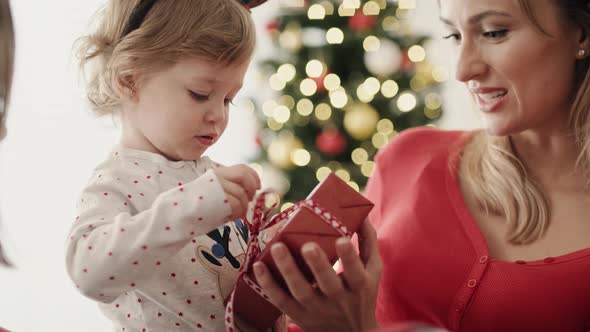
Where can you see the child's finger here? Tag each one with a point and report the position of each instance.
(256, 177)
(244, 177)
(236, 207)
(252, 180)
(237, 196)
(258, 181)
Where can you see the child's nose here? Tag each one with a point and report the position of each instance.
(217, 113)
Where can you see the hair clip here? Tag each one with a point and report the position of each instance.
(249, 4)
(138, 15)
(144, 6)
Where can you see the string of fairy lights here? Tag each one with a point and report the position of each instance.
(361, 120)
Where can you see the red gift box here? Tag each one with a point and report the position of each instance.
(333, 198)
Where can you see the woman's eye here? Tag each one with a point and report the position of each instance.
(454, 36)
(495, 34)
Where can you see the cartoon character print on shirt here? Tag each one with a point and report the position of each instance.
(218, 258)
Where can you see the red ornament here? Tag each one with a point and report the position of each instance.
(331, 142)
(361, 21)
(407, 65)
(319, 81)
(273, 25)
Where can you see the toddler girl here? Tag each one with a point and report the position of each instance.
(159, 240)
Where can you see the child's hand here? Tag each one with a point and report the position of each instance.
(240, 183)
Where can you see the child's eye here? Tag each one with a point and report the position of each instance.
(198, 96)
(495, 34)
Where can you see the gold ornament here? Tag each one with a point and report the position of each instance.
(291, 38)
(360, 121)
(281, 149)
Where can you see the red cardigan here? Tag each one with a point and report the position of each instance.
(436, 265)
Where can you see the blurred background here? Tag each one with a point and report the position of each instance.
(332, 82)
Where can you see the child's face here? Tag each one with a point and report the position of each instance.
(183, 110)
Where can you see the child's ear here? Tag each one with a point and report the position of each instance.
(125, 88)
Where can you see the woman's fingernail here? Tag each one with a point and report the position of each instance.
(258, 269)
(343, 243)
(310, 250)
(279, 250)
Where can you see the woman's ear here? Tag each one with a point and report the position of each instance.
(583, 43)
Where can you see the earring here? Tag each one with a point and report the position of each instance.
(581, 53)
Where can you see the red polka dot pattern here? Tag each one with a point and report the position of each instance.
(122, 247)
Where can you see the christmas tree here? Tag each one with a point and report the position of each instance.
(348, 75)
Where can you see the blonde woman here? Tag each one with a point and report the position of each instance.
(486, 230)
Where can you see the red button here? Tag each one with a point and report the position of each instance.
(549, 260)
(520, 262)
(471, 283)
(483, 259)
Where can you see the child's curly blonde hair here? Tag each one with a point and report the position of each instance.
(219, 30)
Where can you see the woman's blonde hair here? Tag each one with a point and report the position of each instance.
(219, 30)
(6, 69)
(7, 59)
(499, 181)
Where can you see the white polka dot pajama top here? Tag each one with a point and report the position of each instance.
(152, 243)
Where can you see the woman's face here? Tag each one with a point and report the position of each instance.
(519, 77)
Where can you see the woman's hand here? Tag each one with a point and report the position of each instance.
(343, 302)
